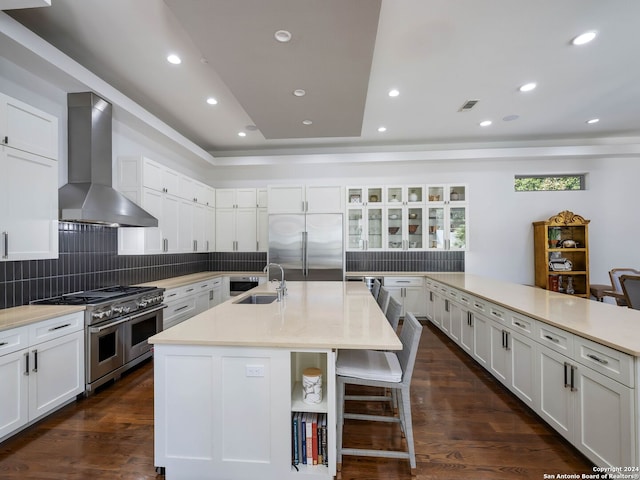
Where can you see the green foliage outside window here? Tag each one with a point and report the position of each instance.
(547, 183)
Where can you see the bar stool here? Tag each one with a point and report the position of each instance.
(383, 299)
(390, 370)
(375, 290)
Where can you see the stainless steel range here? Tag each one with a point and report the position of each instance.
(118, 322)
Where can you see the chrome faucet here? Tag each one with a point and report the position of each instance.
(282, 288)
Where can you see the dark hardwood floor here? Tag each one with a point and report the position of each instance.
(466, 426)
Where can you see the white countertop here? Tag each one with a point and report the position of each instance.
(175, 282)
(313, 315)
(611, 325)
(26, 314)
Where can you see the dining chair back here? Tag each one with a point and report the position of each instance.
(631, 289)
(614, 275)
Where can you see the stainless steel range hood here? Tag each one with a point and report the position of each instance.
(89, 197)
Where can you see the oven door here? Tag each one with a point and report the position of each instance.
(139, 329)
(106, 348)
(239, 285)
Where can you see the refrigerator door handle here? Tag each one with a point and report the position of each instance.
(305, 266)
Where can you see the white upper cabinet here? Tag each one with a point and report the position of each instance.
(236, 198)
(306, 199)
(28, 182)
(28, 129)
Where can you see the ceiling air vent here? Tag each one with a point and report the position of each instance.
(468, 105)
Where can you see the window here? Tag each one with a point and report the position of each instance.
(548, 183)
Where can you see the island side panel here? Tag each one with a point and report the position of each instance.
(222, 412)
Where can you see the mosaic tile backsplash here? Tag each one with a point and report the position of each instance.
(88, 259)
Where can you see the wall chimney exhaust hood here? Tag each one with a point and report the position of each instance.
(89, 197)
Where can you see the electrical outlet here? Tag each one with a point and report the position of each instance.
(254, 371)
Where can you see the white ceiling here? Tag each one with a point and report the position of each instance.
(347, 54)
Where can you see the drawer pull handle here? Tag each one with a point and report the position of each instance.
(477, 305)
(172, 295)
(520, 324)
(2, 344)
(35, 361)
(52, 329)
(190, 290)
(26, 371)
(549, 337)
(496, 314)
(597, 359)
(181, 308)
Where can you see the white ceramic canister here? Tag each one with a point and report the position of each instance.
(312, 385)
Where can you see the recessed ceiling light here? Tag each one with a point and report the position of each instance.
(174, 59)
(511, 118)
(212, 101)
(251, 128)
(307, 122)
(584, 38)
(485, 123)
(283, 36)
(527, 87)
(242, 134)
(394, 93)
(593, 120)
(299, 92)
(382, 129)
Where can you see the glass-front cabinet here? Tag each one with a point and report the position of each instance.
(364, 228)
(407, 217)
(447, 227)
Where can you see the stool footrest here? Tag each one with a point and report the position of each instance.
(368, 398)
(375, 453)
(373, 418)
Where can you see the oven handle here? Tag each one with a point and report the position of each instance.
(126, 319)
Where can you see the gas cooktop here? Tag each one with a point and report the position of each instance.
(93, 297)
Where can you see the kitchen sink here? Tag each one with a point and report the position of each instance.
(258, 299)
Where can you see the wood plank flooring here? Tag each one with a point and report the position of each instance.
(466, 426)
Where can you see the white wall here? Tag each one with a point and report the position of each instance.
(500, 229)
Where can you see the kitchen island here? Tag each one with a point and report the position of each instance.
(227, 381)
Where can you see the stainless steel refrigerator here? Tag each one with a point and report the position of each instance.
(308, 246)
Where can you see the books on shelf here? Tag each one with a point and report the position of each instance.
(309, 438)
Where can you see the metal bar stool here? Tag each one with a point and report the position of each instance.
(376, 368)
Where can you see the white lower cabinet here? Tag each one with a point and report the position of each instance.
(591, 410)
(225, 412)
(409, 292)
(584, 390)
(43, 371)
(188, 300)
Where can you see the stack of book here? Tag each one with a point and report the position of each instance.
(309, 438)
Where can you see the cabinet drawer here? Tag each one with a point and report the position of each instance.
(185, 306)
(554, 338)
(403, 281)
(479, 305)
(13, 340)
(608, 361)
(172, 295)
(55, 327)
(522, 324)
(499, 314)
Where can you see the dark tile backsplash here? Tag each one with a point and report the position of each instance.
(405, 261)
(89, 259)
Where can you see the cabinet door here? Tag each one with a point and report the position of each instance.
(604, 423)
(395, 223)
(210, 229)
(153, 175)
(185, 226)
(29, 211)
(416, 228)
(555, 402)
(415, 301)
(57, 373)
(455, 315)
(246, 229)
(324, 199)
(199, 226)
(263, 230)
(246, 198)
(436, 226)
(225, 197)
(170, 222)
(466, 332)
(481, 339)
(225, 229)
(286, 199)
(26, 128)
(14, 393)
(457, 228)
(499, 361)
(153, 202)
(202, 301)
(522, 369)
(355, 228)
